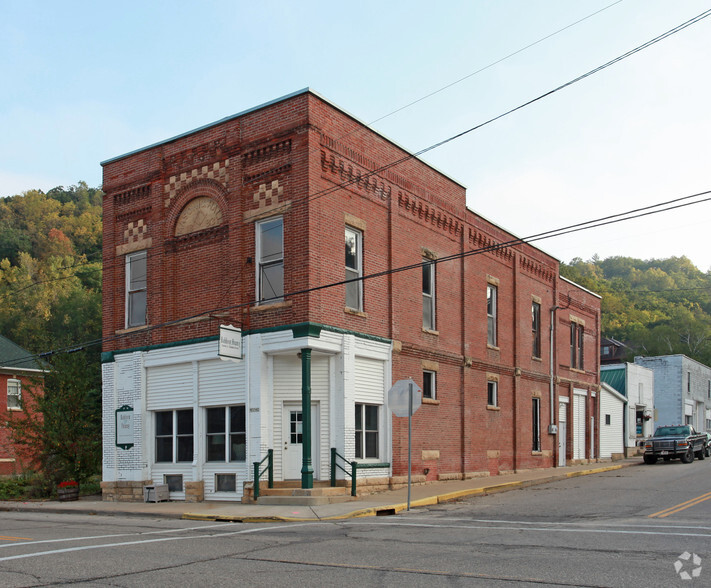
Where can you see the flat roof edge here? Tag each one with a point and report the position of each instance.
(306, 90)
(209, 125)
(583, 288)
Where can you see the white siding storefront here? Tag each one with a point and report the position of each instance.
(177, 387)
(612, 411)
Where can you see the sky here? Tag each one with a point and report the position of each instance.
(83, 82)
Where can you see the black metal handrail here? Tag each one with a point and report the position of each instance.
(355, 466)
(269, 458)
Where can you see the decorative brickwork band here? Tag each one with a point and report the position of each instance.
(135, 237)
(218, 171)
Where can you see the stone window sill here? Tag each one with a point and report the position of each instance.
(492, 407)
(271, 306)
(131, 330)
(433, 401)
(354, 312)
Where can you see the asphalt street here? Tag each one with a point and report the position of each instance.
(638, 526)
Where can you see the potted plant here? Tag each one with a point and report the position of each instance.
(68, 490)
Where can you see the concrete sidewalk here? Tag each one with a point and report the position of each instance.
(385, 503)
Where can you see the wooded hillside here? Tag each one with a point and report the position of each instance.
(50, 267)
(658, 306)
(50, 282)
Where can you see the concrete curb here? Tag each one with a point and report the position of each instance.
(399, 507)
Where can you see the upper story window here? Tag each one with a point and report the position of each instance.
(491, 314)
(536, 328)
(354, 269)
(270, 256)
(576, 346)
(136, 289)
(428, 294)
(14, 395)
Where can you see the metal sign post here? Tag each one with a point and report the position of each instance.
(404, 398)
(409, 443)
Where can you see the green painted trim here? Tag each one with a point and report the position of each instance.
(108, 356)
(307, 329)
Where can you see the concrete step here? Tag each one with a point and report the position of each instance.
(290, 492)
(304, 500)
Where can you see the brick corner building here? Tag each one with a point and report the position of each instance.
(245, 222)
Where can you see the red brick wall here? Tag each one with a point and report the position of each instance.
(8, 449)
(312, 150)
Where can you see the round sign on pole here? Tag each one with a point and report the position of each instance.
(398, 398)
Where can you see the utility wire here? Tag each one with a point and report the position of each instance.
(417, 154)
(572, 228)
(492, 64)
(582, 226)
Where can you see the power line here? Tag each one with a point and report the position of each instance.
(565, 230)
(409, 156)
(586, 225)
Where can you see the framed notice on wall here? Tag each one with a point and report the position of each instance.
(230, 344)
(124, 427)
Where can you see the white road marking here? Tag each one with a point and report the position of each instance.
(578, 523)
(111, 536)
(139, 542)
(508, 527)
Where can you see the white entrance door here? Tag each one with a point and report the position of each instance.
(562, 434)
(292, 441)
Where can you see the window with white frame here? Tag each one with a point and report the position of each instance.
(429, 384)
(226, 433)
(136, 289)
(174, 481)
(270, 256)
(492, 393)
(536, 424)
(14, 394)
(225, 483)
(366, 431)
(174, 436)
(491, 312)
(354, 269)
(428, 294)
(536, 328)
(576, 346)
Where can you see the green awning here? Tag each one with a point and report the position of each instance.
(616, 378)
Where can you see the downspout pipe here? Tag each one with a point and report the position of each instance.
(552, 373)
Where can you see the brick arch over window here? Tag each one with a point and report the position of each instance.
(197, 189)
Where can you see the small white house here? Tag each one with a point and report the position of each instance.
(636, 384)
(612, 412)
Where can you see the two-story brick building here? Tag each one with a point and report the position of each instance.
(244, 222)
